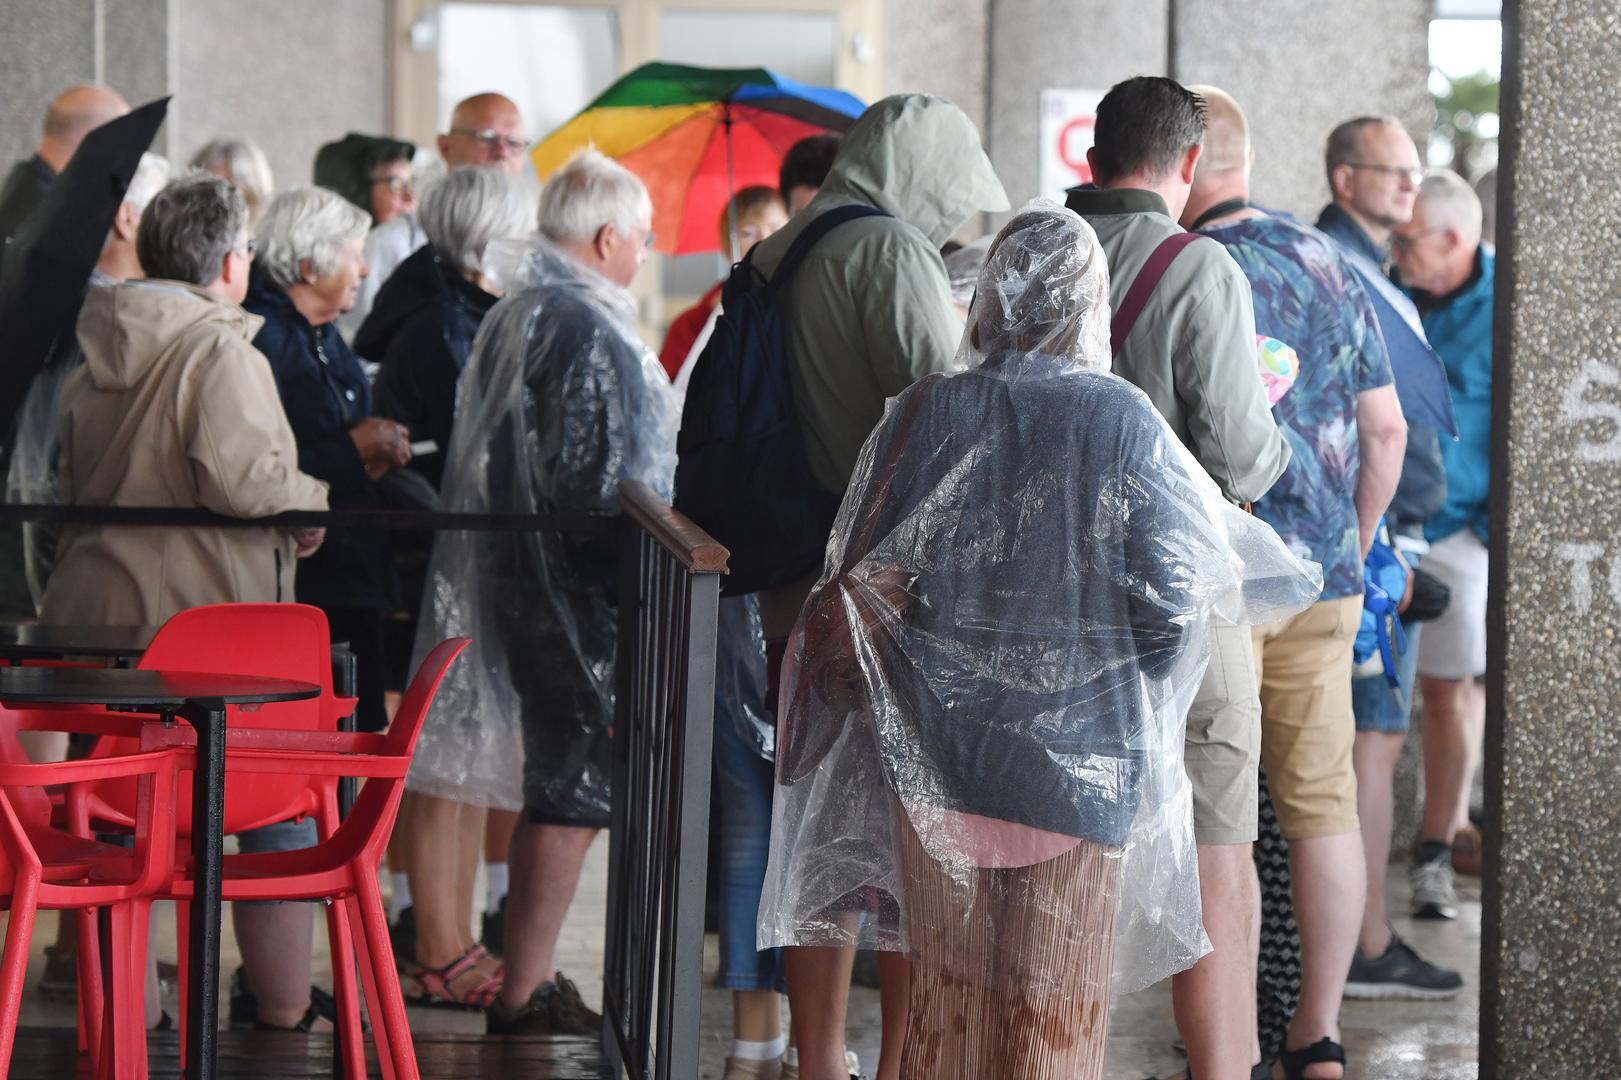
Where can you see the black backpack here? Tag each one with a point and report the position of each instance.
(742, 474)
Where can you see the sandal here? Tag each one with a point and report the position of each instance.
(1324, 1051)
(437, 987)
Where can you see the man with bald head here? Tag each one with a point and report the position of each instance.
(75, 113)
(486, 130)
(1345, 425)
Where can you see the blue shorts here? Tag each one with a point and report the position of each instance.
(1378, 706)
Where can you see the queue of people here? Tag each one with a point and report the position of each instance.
(1087, 577)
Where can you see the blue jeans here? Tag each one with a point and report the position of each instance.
(744, 783)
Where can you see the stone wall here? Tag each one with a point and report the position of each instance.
(1552, 919)
(1298, 68)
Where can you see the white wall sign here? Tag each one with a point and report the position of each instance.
(1067, 119)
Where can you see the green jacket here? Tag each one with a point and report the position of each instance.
(869, 311)
(1192, 349)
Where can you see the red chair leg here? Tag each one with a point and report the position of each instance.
(126, 1015)
(182, 937)
(381, 1035)
(14, 961)
(344, 991)
(91, 994)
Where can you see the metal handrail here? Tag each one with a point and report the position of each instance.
(658, 848)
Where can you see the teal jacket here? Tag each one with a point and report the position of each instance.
(1459, 327)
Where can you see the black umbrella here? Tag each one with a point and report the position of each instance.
(47, 264)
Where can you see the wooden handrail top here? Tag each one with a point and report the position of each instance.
(693, 548)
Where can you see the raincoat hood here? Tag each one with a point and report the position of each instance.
(346, 166)
(124, 329)
(919, 158)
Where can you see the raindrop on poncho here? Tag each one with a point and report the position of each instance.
(996, 665)
(560, 401)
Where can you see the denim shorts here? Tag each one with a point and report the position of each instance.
(281, 836)
(1377, 705)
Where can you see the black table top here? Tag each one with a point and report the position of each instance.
(50, 642)
(128, 686)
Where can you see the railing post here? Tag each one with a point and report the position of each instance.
(614, 959)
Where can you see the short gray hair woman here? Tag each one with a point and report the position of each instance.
(467, 210)
(309, 234)
(243, 164)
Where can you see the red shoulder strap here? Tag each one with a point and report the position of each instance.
(1143, 287)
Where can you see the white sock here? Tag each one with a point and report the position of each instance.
(495, 884)
(742, 1050)
(790, 1056)
(399, 895)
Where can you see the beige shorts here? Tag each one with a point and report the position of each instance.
(1224, 740)
(1307, 726)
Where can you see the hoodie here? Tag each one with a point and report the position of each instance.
(172, 407)
(869, 310)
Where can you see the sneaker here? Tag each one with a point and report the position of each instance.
(1400, 974)
(402, 934)
(494, 927)
(753, 1070)
(1433, 894)
(554, 1009)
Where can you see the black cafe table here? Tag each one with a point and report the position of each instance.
(200, 700)
(116, 644)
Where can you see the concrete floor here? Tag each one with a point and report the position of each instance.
(1385, 1041)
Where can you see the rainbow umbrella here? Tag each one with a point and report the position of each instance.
(696, 136)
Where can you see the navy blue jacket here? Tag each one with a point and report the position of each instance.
(420, 332)
(325, 393)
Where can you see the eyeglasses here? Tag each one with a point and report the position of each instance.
(398, 186)
(249, 246)
(494, 140)
(1397, 172)
(1398, 242)
(648, 243)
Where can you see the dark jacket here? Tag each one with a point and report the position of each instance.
(26, 184)
(324, 392)
(420, 332)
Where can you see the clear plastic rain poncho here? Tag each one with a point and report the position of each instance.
(983, 706)
(559, 402)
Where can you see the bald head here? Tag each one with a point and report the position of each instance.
(76, 112)
(485, 129)
(1227, 132)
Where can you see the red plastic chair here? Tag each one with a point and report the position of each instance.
(44, 867)
(341, 868)
(282, 641)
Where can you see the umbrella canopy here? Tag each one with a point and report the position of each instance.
(696, 136)
(1421, 377)
(47, 264)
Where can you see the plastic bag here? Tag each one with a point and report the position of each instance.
(993, 673)
(560, 401)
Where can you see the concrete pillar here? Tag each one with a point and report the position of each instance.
(1056, 44)
(135, 53)
(1298, 67)
(45, 45)
(1552, 918)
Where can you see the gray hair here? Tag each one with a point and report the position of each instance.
(588, 192)
(1345, 141)
(149, 177)
(243, 164)
(1449, 202)
(465, 210)
(189, 227)
(307, 224)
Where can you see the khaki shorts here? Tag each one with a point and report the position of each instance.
(1307, 726)
(1223, 742)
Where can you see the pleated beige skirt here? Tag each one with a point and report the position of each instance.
(1010, 967)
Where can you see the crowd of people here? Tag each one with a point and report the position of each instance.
(1091, 574)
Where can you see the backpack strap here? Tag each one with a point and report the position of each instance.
(1143, 286)
(819, 227)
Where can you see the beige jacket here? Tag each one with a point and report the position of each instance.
(173, 407)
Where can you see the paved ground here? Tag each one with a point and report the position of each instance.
(1386, 1041)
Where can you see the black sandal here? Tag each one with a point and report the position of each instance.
(1324, 1051)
